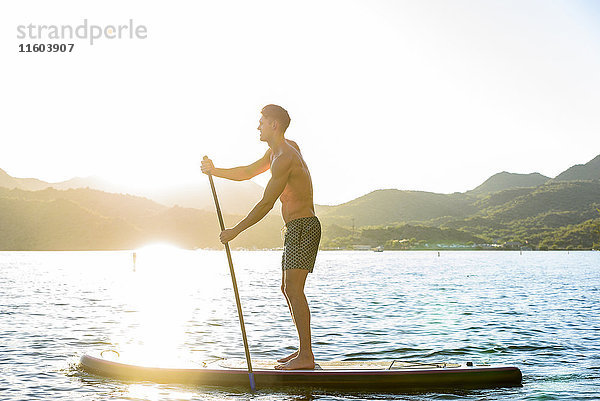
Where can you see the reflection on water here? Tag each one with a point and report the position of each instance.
(538, 310)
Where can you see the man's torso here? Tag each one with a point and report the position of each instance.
(297, 197)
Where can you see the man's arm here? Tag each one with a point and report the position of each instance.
(238, 173)
(281, 172)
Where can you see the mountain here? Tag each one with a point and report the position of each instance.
(538, 215)
(555, 215)
(29, 184)
(234, 197)
(61, 224)
(572, 196)
(388, 206)
(87, 219)
(521, 208)
(92, 182)
(588, 171)
(505, 180)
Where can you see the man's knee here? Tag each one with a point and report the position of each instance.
(294, 294)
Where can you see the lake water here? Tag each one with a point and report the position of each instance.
(539, 311)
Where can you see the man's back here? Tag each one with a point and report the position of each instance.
(297, 197)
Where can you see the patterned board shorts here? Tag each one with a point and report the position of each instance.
(302, 237)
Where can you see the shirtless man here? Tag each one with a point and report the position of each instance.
(291, 183)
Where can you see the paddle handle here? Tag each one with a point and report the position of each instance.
(234, 282)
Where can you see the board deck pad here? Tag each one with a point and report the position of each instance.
(361, 375)
(265, 364)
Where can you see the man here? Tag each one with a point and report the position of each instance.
(291, 183)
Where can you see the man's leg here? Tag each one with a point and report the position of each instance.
(294, 280)
(295, 353)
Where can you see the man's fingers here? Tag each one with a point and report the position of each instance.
(207, 165)
(226, 236)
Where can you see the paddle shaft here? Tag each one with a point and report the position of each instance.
(235, 288)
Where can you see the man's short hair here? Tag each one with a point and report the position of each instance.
(278, 114)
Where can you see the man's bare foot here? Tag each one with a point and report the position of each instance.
(299, 362)
(287, 358)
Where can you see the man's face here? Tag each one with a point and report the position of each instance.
(265, 126)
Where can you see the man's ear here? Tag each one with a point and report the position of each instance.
(274, 125)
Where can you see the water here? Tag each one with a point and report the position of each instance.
(538, 310)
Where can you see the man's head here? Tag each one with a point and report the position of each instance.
(274, 121)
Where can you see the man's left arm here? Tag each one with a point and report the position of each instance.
(280, 170)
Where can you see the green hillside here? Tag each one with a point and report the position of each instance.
(86, 219)
(588, 171)
(104, 203)
(61, 225)
(577, 197)
(535, 215)
(548, 215)
(236, 197)
(396, 236)
(504, 180)
(557, 214)
(30, 184)
(580, 236)
(554, 214)
(389, 206)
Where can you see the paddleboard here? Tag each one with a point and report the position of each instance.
(363, 375)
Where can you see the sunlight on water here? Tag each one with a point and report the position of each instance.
(538, 310)
(158, 301)
(154, 393)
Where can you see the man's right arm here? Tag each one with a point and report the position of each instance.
(238, 173)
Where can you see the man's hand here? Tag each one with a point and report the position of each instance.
(207, 165)
(228, 235)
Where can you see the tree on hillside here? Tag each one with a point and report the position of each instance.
(596, 245)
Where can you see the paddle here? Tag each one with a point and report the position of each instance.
(235, 289)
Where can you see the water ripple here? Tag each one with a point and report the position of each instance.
(539, 310)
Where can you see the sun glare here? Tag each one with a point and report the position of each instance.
(160, 297)
(143, 391)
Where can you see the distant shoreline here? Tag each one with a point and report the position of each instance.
(320, 250)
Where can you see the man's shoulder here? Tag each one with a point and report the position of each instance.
(288, 157)
(282, 162)
(293, 144)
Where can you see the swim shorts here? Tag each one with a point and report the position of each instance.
(301, 243)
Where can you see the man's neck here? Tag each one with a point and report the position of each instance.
(277, 144)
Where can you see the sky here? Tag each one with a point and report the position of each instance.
(414, 95)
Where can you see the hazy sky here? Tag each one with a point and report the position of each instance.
(422, 95)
